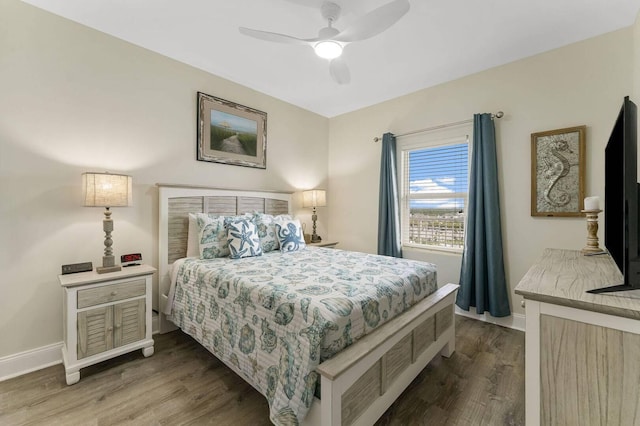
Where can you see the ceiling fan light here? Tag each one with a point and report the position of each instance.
(328, 49)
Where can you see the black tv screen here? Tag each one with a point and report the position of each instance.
(621, 198)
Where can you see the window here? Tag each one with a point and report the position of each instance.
(435, 176)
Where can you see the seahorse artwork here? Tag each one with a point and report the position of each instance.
(557, 167)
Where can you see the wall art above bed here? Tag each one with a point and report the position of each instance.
(231, 133)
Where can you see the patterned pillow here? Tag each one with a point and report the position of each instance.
(247, 216)
(243, 239)
(266, 224)
(290, 235)
(212, 236)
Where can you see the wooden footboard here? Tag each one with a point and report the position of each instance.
(362, 381)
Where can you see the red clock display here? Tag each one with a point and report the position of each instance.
(133, 257)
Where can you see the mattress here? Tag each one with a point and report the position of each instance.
(274, 318)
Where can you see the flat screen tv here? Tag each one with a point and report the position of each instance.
(621, 189)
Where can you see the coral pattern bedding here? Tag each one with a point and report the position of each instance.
(274, 318)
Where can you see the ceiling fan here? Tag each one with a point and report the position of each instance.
(330, 42)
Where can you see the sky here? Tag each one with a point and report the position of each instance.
(238, 124)
(442, 171)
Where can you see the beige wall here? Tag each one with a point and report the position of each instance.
(583, 83)
(73, 100)
(636, 63)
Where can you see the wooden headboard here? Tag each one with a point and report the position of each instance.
(175, 202)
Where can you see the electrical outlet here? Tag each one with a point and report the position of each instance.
(77, 267)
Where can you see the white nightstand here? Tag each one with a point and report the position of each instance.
(105, 315)
(326, 244)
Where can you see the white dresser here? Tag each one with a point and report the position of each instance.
(582, 356)
(105, 315)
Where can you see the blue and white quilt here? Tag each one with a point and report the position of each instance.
(275, 317)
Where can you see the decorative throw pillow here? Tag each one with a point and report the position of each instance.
(212, 236)
(242, 236)
(266, 225)
(290, 236)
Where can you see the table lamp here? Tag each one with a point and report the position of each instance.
(314, 198)
(106, 190)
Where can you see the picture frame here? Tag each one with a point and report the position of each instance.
(557, 172)
(230, 133)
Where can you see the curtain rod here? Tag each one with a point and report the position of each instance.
(498, 114)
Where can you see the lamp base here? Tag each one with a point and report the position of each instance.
(106, 269)
(315, 238)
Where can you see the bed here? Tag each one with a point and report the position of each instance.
(329, 337)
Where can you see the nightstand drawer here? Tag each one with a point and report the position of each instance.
(110, 293)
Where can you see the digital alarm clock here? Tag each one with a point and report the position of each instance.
(132, 259)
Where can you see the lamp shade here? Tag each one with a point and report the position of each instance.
(314, 198)
(106, 190)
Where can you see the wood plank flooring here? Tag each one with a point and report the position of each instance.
(183, 384)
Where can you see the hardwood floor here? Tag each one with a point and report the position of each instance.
(183, 384)
(481, 384)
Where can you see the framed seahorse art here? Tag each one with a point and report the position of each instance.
(557, 172)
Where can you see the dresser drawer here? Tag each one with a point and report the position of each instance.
(111, 293)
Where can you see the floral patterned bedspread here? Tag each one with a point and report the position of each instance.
(275, 317)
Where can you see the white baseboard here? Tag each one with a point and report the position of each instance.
(36, 359)
(515, 321)
(25, 362)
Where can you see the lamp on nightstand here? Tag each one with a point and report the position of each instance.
(107, 190)
(314, 198)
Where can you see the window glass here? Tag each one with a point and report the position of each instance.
(435, 187)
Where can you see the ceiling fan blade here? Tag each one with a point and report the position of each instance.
(275, 37)
(339, 71)
(374, 22)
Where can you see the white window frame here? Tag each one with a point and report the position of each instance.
(431, 139)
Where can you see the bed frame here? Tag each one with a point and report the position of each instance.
(360, 382)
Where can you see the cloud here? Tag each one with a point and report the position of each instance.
(432, 186)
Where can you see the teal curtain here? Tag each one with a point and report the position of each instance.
(388, 211)
(482, 279)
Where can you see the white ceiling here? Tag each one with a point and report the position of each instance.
(436, 41)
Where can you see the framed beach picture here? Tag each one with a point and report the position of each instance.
(557, 172)
(231, 133)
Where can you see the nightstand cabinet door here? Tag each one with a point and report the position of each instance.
(95, 331)
(129, 322)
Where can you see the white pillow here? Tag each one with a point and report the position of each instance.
(212, 236)
(193, 237)
(290, 235)
(266, 225)
(243, 240)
